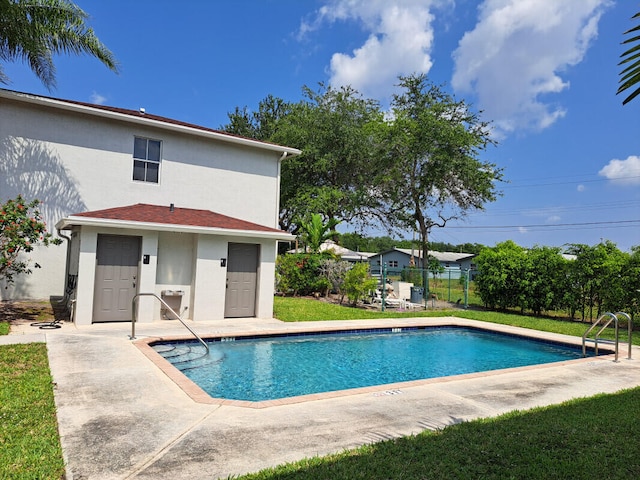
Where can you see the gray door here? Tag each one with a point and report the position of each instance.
(116, 277)
(242, 277)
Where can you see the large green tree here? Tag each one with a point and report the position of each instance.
(260, 124)
(332, 127)
(35, 30)
(332, 176)
(630, 74)
(432, 171)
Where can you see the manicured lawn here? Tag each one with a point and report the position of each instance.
(29, 442)
(4, 328)
(290, 309)
(582, 439)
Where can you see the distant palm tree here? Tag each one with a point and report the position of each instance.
(35, 30)
(315, 231)
(631, 73)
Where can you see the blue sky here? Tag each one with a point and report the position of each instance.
(543, 71)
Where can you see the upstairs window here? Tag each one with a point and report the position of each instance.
(146, 159)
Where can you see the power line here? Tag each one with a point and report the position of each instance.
(572, 182)
(590, 207)
(620, 223)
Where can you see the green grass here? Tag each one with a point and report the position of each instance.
(580, 439)
(29, 442)
(290, 309)
(453, 291)
(4, 328)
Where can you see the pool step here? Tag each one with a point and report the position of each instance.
(185, 357)
(601, 340)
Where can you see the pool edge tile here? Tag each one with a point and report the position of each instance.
(198, 395)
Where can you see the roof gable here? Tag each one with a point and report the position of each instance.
(170, 215)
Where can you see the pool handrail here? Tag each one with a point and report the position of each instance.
(629, 330)
(613, 318)
(133, 318)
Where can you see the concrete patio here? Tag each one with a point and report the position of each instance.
(121, 417)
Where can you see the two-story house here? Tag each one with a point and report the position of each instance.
(146, 204)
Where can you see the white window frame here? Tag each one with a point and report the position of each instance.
(146, 161)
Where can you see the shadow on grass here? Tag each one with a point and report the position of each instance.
(15, 313)
(583, 438)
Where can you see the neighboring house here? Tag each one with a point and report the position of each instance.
(344, 253)
(147, 205)
(398, 259)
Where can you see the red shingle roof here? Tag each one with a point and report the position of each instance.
(163, 214)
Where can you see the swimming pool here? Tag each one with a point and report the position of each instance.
(265, 367)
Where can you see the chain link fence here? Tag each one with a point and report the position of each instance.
(424, 287)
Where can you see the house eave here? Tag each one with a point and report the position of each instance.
(71, 221)
(96, 112)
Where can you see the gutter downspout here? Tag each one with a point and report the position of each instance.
(66, 277)
(66, 265)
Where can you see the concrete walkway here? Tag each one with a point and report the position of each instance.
(120, 417)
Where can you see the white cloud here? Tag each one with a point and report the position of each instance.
(400, 42)
(523, 230)
(581, 188)
(514, 57)
(554, 219)
(622, 172)
(98, 99)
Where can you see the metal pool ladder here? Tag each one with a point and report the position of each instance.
(133, 318)
(605, 319)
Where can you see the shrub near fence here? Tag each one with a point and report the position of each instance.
(299, 274)
(586, 283)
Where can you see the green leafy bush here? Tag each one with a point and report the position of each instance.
(300, 274)
(358, 282)
(21, 229)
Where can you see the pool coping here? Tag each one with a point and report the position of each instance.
(198, 395)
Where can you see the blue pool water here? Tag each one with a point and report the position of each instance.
(257, 369)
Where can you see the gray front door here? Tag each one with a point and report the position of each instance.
(242, 277)
(116, 277)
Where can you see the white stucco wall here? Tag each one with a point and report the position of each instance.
(266, 279)
(176, 254)
(75, 163)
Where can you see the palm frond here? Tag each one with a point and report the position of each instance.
(34, 31)
(630, 75)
